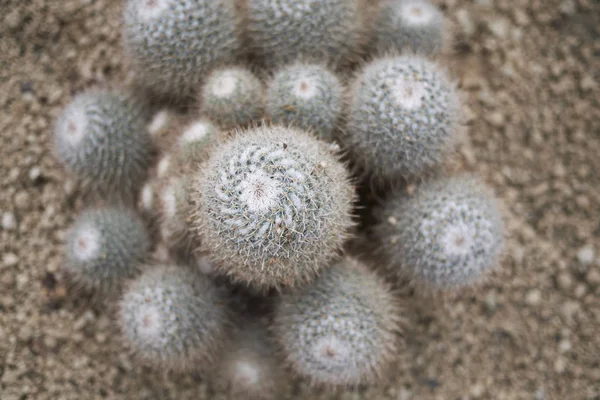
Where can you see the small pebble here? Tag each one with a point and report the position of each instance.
(593, 277)
(22, 200)
(586, 255)
(560, 365)
(10, 259)
(35, 173)
(564, 281)
(466, 22)
(9, 222)
(533, 297)
(499, 28)
(490, 302)
(580, 290)
(564, 346)
(477, 391)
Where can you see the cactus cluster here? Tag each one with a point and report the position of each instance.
(249, 187)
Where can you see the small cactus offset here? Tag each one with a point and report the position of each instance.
(174, 211)
(101, 138)
(414, 25)
(232, 97)
(175, 317)
(174, 43)
(273, 206)
(250, 368)
(403, 117)
(449, 234)
(105, 247)
(195, 141)
(340, 330)
(282, 31)
(307, 96)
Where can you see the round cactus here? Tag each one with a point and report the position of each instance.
(232, 97)
(105, 247)
(341, 329)
(250, 368)
(282, 31)
(403, 117)
(174, 317)
(307, 96)
(272, 206)
(447, 235)
(414, 25)
(174, 43)
(195, 142)
(101, 138)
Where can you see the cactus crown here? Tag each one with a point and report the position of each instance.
(447, 236)
(102, 139)
(414, 25)
(173, 43)
(403, 117)
(175, 317)
(232, 97)
(274, 203)
(285, 30)
(105, 246)
(307, 96)
(341, 329)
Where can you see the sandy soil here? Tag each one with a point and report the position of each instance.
(531, 71)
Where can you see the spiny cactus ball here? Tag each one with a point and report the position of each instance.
(282, 31)
(341, 329)
(250, 368)
(101, 138)
(105, 247)
(174, 43)
(232, 97)
(307, 96)
(414, 25)
(448, 235)
(272, 206)
(174, 317)
(403, 117)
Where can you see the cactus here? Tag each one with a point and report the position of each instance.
(282, 31)
(250, 368)
(105, 247)
(414, 25)
(307, 96)
(195, 142)
(341, 330)
(174, 43)
(449, 234)
(174, 211)
(272, 206)
(403, 117)
(101, 138)
(175, 317)
(232, 97)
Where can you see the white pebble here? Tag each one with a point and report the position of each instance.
(533, 297)
(10, 259)
(586, 255)
(9, 222)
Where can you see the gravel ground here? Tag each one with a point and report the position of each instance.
(531, 71)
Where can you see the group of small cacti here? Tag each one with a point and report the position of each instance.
(225, 230)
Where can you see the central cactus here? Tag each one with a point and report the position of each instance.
(273, 205)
